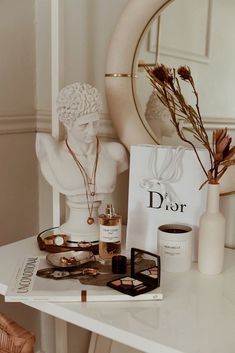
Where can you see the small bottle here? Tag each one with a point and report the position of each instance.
(110, 234)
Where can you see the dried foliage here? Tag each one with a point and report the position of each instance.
(166, 82)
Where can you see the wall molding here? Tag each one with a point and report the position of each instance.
(106, 129)
(219, 123)
(41, 122)
(14, 124)
(183, 54)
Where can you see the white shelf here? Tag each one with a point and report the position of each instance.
(197, 314)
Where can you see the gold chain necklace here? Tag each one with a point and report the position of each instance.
(89, 182)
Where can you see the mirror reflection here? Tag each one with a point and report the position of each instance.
(145, 265)
(194, 33)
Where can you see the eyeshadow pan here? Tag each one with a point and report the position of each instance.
(140, 287)
(152, 272)
(128, 278)
(117, 282)
(145, 272)
(127, 282)
(136, 282)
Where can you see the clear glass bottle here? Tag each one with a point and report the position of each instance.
(110, 234)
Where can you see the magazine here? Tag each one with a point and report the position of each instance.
(26, 285)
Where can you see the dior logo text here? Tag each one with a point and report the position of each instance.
(156, 200)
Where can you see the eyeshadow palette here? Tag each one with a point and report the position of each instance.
(145, 274)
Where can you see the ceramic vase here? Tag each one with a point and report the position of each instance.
(211, 234)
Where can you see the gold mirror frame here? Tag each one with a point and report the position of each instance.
(120, 71)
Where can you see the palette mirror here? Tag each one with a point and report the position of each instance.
(145, 265)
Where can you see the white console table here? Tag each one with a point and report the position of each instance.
(197, 314)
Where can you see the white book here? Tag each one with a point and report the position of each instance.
(27, 286)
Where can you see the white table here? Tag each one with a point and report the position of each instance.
(197, 314)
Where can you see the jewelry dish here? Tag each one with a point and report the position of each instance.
(70, 258)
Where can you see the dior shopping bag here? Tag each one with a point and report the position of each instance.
(164, 187)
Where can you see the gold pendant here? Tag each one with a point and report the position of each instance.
(90, 220)
(93, 193)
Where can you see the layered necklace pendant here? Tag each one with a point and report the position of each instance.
(89, 182)
(90, 220)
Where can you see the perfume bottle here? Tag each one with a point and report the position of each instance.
(110, 234)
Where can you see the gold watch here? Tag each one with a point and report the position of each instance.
(56, 239)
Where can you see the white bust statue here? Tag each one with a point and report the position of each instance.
(81, 167)
(158, 117)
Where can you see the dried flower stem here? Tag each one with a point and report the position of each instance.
(168, 89)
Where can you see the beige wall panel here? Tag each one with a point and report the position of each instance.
(17, 64)
(18, 187)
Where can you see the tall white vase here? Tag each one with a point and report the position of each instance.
(211, 235)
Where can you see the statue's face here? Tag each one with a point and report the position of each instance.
(85, 129)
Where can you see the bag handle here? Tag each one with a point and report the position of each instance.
(164, 175)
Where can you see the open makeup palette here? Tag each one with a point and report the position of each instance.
(145, 274)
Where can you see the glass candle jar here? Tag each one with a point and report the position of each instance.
(175, 247)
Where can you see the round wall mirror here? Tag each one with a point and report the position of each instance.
(120, 70)
(154, 31)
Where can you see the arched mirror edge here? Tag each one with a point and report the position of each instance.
(120, 73)
(135, 63)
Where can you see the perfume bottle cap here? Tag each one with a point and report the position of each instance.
(119, 264)
(110, 211)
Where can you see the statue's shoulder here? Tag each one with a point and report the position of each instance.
(46, 145)
(115, 150)
(118, 153)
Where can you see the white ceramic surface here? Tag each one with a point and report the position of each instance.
(211, 235)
